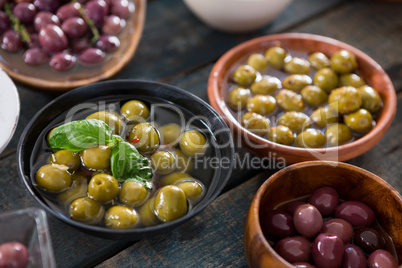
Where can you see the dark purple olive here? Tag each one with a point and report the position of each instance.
(122, 8)
(382, 259)
(355, 212)
(11, 41)
(307, 220)
(47, 5)
(338, 227)
(108, 43)
(302, 265)
(68, 11)
(35, 56)
(13, 254)
(277, 224)
(293, 206)
(79, 45)
(74, 27)
(34, 41)
(92, 56)
(52, 38)
(112, 25)
(25, 12)
(327, 251)
(4, 22)
(353, 257)
(2, 2)
(368, 239)
(294, 249)
(325, 199)
(44, 18)
(96, 10)
(63, 61)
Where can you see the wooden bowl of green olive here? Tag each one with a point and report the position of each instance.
(302, 97)
(125, 159)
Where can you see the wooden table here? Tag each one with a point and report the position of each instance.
(178, 49)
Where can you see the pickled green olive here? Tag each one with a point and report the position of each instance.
(170, 133)
(87, 210)
(352, 80)
(244, 75)
(120, 217)
(255, 123)
(324, 116)
(371, 99)
(53, 178)
(147, 213)
(338, 134)
(289, 100)
(113, 121)
(261, 104)
(96, 158)
(360, 121)
(296, 121)
(133, 194)
(170, 203)
(318, 60)
(193, 143)
(134, 110)
(238, 98)
(78, 188)
(68, 158)
(257, 61)
(175, 177)
(275, 56)
(281, 134)
(103, 188)
(183, 162)
(163, 162)
(314, 95)
(326, 79)
(192, 189)
(297, 65)
(296, 82)
(310, 138)
(343, 62)
(147, 135)
(268, 85)
(345, 100)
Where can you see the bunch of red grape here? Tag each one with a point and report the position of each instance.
(62, 33)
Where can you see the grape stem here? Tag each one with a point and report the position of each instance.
(91, 25)
(17, 25)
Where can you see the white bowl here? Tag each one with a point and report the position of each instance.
(237, 16)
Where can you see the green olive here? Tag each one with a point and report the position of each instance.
(351, 79)
(297, 65)
(238, 98)
(113, 121)
(147, 213)
(134, 110)
(244, 75)
(163, 162)
(121, 217)
(133, 194)
(371, 99)
(79, 188)
(170, 133)
(296, 121)
(193, 143)
(183, 162)
(103, 188)
(86, 210)
(289, 100)
(360, 121)
(326, 79)
(281, 134)
(275, 56)
(96, 158)
(345, 100)
(261, 104)
(175, 177)
(318, 60)
(170, 203)
(338, 134)
(257, 61)
(310, 138)
(314, 95)
(343, 62)
(255, 123)
(68, 158)
(192, 189)
(324, 116)
(53, 178)
(296, 82)
(268, 85)
(147, 135)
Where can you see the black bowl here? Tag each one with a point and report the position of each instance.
(126, 89)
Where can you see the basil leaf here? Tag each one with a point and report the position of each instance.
(81, 134)
(128, 164)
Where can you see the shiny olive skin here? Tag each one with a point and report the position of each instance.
(147, 213)
(382, 259)
(310, 138)
(281, 134)
(353, 257)
(170, 203)
(338, 134)
(338, 227)
(355, 212)
(170, 133)
(14, 255)
(113, 121)
(296, 121)
(148, 136)
(193, 143)
(314, 95)
(318, 60)
(275, 56)
(296, 82)
(257, 61)
(244, 75)
(323, 116)
(103, 188)
(68, 158)
(134, 110)
(343, 62)
(163, 162)
(368, 239)
(307, 220)
(183, 162)
(351, 79)
(268, 85)
(289, 100)
(293, 206)
(327, 251)
(297, 65)
(175, 177)
(371, 99)
(326, 79)
(277, 224)
(192, 189)
(238, 98)
(255, 123)
(53, 178)
(325, 199)
(294, 249)
(133, 194)
(345, 100)
(96, 158)
(120, 217)
(78, 188)
(86, 210)
(360, 121)
(302, 265)
(261, 104)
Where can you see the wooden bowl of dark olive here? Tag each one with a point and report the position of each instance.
(125, 159)
(324, 214)
(302, 97)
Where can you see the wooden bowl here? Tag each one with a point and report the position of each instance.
(351, 182)
(43, 77)
(368, 68)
